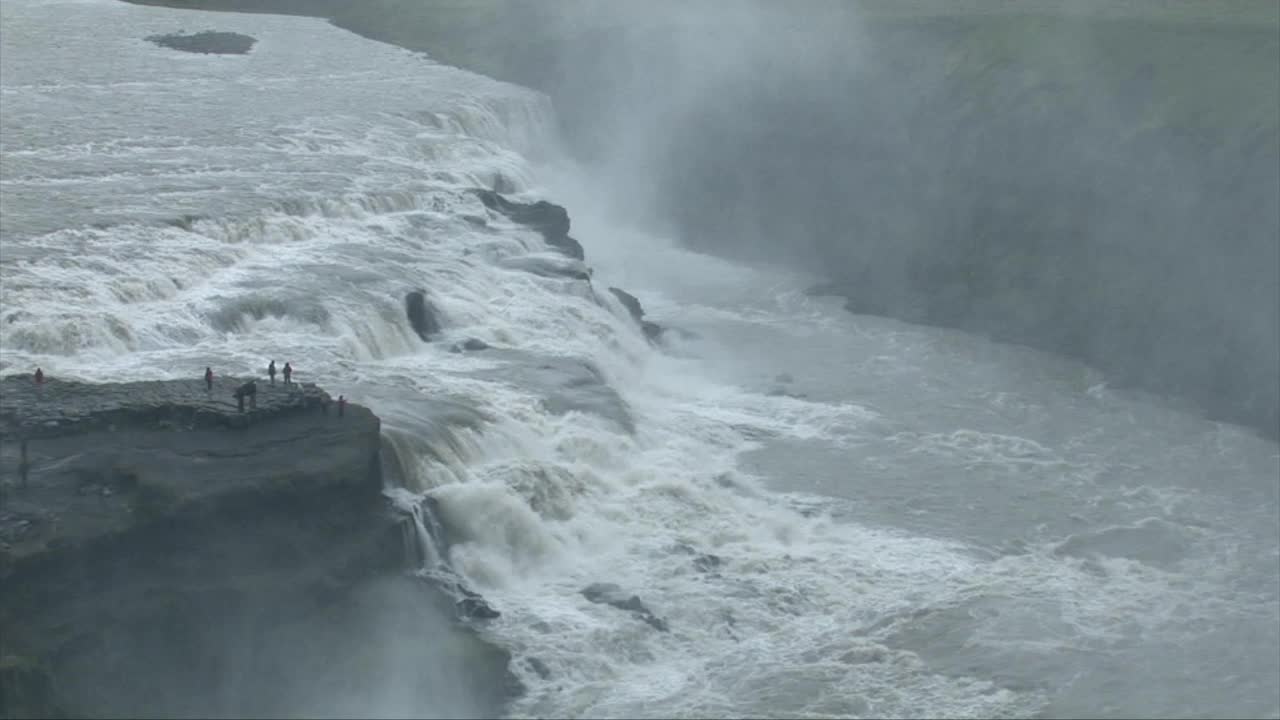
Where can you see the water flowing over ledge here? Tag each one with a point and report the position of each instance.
(537, 451)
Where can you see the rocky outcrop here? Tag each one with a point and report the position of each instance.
(549, 266)
(612, 595)
(630, 302)
(208, 42)
(469, 345)
(552, 221)
(703, 562)
(548, 219)
(652, 330)
(163, 554)
(422, 314)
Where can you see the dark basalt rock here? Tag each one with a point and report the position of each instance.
(612, 595)
(653, 331)
(422, 314)
(469, 345)
(630, 302)
(543, 216)
(706, 562)
(567, 245)
(538, 667)
(549, 266)
(208, 42)
(167, 555)
(549, 219)
(65, 407)
(475, 607)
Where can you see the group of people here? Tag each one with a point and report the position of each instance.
(250, 389)
(288, 373)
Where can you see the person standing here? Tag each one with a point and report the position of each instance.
(288, 374)
(208, 379)
(342, 405)
(271, 371)
(248, 390)
(39, 376)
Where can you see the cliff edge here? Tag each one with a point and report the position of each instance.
(164, 554)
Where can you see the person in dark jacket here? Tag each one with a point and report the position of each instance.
(271, 371)
(288, 374)
(247, 390)
(39, 376)
(208, 378)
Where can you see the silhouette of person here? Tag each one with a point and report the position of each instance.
(288, 374)
(250, 390)
(208, 378)
(342, 405)
(271, 371)
(39, 376)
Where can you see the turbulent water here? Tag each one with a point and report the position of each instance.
(907, 521)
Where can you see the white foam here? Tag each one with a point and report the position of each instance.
(330, 214)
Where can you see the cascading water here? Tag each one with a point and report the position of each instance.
(832, 515)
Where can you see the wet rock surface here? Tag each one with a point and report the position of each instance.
(652, 330)
(549, 266)
(163, 553)
(469, 345)
(422, 314)
(612, 595)
(61, 407)
(102, 459)
(548, 219)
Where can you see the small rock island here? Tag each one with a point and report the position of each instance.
(209, 42)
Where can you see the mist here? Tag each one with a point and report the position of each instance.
(698, 493)
(385, 650)
(1099, 180)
